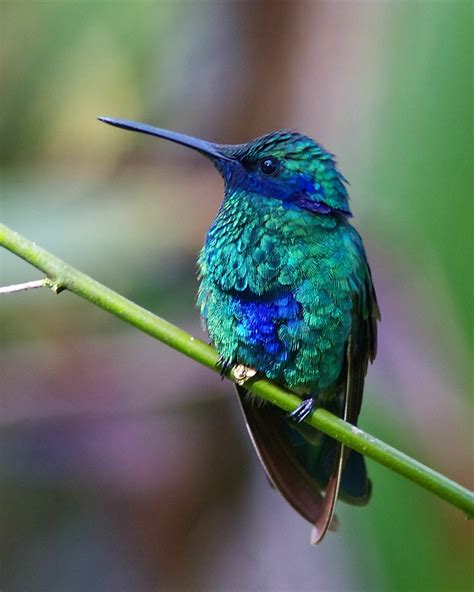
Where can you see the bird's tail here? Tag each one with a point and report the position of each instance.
(307, 467)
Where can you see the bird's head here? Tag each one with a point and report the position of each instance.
(282, 165)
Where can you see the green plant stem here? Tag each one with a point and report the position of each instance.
(62, 276)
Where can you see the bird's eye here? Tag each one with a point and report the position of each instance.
(269, 165)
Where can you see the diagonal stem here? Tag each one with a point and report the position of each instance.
(64, 277)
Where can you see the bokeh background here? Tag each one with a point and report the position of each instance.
(124, 466)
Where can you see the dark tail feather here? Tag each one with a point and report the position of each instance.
(270, 433)
(332, 490)
(301, 462)
(321, 525)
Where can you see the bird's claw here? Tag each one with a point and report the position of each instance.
(304, 410)
(242, 373)
(224, 364)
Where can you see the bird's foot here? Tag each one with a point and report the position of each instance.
(242, 373)
(304, 410)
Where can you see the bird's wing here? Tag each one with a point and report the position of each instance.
(361, 347)
(365, 314)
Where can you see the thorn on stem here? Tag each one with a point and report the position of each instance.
(57, 288)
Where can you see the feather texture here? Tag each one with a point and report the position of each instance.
(286, 289)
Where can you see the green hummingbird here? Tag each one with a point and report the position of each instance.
(286, 292)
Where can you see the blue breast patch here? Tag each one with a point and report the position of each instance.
(257, 329)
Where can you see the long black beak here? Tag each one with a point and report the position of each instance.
(214, 151)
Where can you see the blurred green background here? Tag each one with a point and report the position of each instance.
(124, 466)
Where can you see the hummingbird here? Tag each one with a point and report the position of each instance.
(286, 291)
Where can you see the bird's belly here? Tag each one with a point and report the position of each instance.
(278, 336)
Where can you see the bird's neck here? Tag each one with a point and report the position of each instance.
(242, 212)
